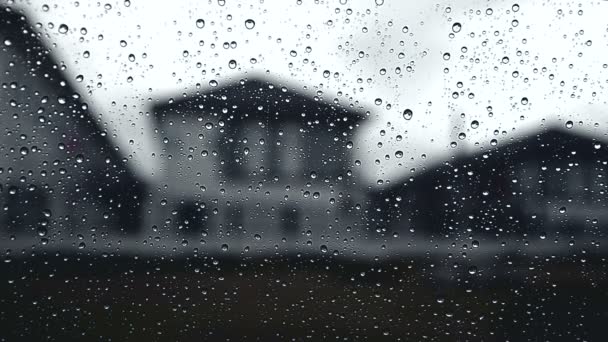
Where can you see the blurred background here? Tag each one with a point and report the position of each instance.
(305, 169)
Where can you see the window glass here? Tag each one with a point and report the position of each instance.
(303, 170)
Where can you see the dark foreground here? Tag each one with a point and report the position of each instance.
(64, 298)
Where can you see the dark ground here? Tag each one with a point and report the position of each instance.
(65, 298)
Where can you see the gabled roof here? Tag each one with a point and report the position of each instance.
(20, 39)
(548, 145)
(257, 98)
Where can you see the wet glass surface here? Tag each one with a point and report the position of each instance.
(303, 170)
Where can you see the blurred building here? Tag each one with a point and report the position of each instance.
(256, 164)
(547, 186)
(61, 180)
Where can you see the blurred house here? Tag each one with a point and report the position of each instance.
(256, 164)
(61, 180)
(549, 186)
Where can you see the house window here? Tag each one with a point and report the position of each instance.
(191, 217)
(290, 221)
(23, 209)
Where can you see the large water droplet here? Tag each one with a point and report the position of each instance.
(407, 114)
(249, 24)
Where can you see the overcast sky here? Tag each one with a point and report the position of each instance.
(387, 56)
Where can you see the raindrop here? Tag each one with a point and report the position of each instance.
(407, 114)
(249, 24)
(200, 23)
(63, 28)
(42, 231)
(456, 27)
(232, 64)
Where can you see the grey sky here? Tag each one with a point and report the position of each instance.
(166, 53)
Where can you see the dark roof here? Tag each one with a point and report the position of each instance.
(550, 144)
(62, 117)
(495, 169)
(260, 99)
(43, 71)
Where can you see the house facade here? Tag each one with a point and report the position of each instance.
(550, 186)
(62, 182)
(257, 166)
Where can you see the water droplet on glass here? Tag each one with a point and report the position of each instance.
(200, 23)
(249, 24)
(407, 114)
